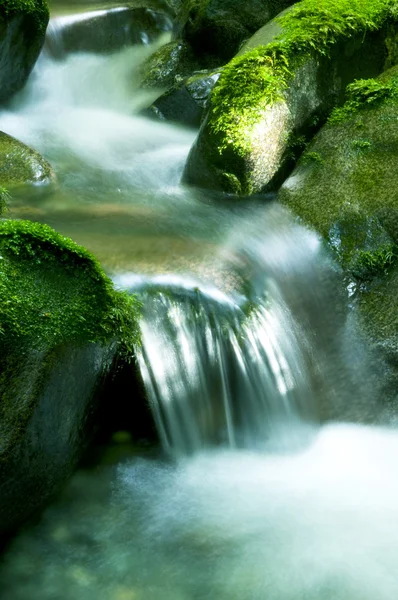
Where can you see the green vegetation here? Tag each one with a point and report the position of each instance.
(361, 144)
(363, 93)
(375, 262)
(259, 78)
(4, 198)
(38, 9)
(53, 291)
(312, 157)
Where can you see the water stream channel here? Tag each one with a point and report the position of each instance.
(249, 345)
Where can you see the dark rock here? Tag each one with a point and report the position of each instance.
(186, 104)
(22, 30)
(216, 28)
(105, 31)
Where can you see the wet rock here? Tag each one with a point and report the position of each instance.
(276, 93)
(186, 104)
(216, 28)
(20, 165)
(22, 30)
(61, 324)
(345, 187)
(168, 66)
(105, 31)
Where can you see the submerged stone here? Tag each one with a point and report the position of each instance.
(22, 30)
(20, 165)
(281, 87)
(61, 323)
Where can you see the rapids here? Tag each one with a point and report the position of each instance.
(249, 345)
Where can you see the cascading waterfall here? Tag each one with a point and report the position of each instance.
(219, 372)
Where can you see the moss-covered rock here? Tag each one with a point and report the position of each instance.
(216, 28)
(22, 30)
(346, 187)
(283, 85)
(20, 165)
(61, 322)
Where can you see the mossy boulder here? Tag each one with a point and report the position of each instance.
(22, 30)
(216, 28)
(345, 186)
(281, 87)
(21, 165)
(186, 103)
(61, 323)
(106, 31)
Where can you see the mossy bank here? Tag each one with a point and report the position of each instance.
(61, 324)
(283, 84)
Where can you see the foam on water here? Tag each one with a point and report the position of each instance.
(231, 525)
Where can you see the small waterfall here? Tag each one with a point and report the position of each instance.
(221, 370)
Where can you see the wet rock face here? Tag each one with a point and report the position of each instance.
(216, 28)
(345, 187)
(22, 31)
(168, 66)
(21, 165)
(47, 417)
(186, 103)
(105, 31)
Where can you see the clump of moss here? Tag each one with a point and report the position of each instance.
(53, 291)
(312, 158)
(361, 144)
(38, 9)
(369, 263)
(257, 79)
(364, 93)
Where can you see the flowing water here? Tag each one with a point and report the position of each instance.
(248, 346)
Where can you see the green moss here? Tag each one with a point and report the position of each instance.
(257, 79)
(231, 183)
(312, 157)
(4, 198)
(38, 9)
(376, 262)
(363, 93)
(361, 144)
(53, 291)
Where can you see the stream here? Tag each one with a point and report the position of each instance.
(269, 482)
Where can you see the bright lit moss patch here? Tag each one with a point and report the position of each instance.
(257, 79)
(53, 292)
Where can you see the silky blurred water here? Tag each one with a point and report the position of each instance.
(318, 523)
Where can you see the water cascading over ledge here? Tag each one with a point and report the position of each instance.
(220, 370)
